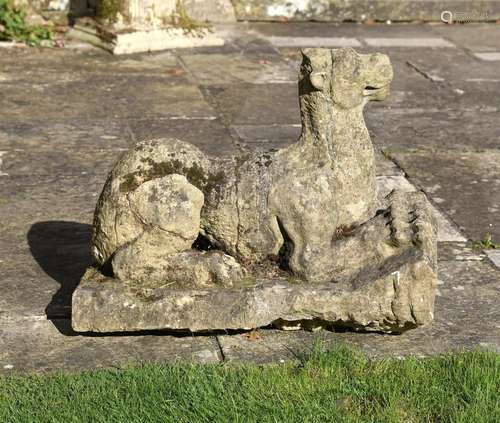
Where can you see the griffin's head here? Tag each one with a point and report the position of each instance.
(346, 77)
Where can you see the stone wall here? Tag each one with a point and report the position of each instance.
(362, 10)
(61, 11)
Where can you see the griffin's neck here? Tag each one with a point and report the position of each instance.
(329, 131)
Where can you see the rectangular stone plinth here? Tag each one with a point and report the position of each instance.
(402, 298)
(142, 40)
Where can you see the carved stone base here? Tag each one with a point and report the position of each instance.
(142, 40)
(397, 298)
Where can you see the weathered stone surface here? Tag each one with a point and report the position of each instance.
(212, 10)
(399, 300)
(142, 40)
(126, 27)
(247, 211)
(384, 273)
(447, 232)
(459, 251)
(153, 13)
(315, 218)
(466, 316)
(147, 254)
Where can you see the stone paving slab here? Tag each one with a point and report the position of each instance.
(39, 279)
(494, 256)
(465, 185)
(82, 96)
(239, 38)
(325, 42)
(44, 249)
(95, 134)
(415, 129)
(35, 61)
(473, 37)
(216, 69)
(408, 42)
(68, 162)
(460, 251)
(451, 65)
(80, 146)
(209, 135)
(44, 345)
(353, 30)
(55, 197)
(256, 104)
(66, 115)
(490, 56)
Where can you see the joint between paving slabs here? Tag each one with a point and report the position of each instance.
(221, 354)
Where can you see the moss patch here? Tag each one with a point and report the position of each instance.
(205, 182)
(181, 19)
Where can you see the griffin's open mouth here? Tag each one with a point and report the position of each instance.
(370, 90)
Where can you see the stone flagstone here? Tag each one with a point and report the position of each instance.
(488, 56)
(330, 42)
(57, 99)
(408, 42)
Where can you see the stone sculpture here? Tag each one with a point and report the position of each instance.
(294, 237)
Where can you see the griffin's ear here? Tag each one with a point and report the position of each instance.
(318, 80)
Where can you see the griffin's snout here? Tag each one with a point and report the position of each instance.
(378, 76)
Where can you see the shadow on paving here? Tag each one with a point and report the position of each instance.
(61, 249)
(64, 328)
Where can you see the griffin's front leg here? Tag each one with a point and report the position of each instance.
(406, 227)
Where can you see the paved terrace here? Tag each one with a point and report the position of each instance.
(67, 114)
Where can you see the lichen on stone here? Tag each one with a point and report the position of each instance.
(294, 224)
(206, 182)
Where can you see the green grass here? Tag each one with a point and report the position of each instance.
(337, 386)
(486, 243)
